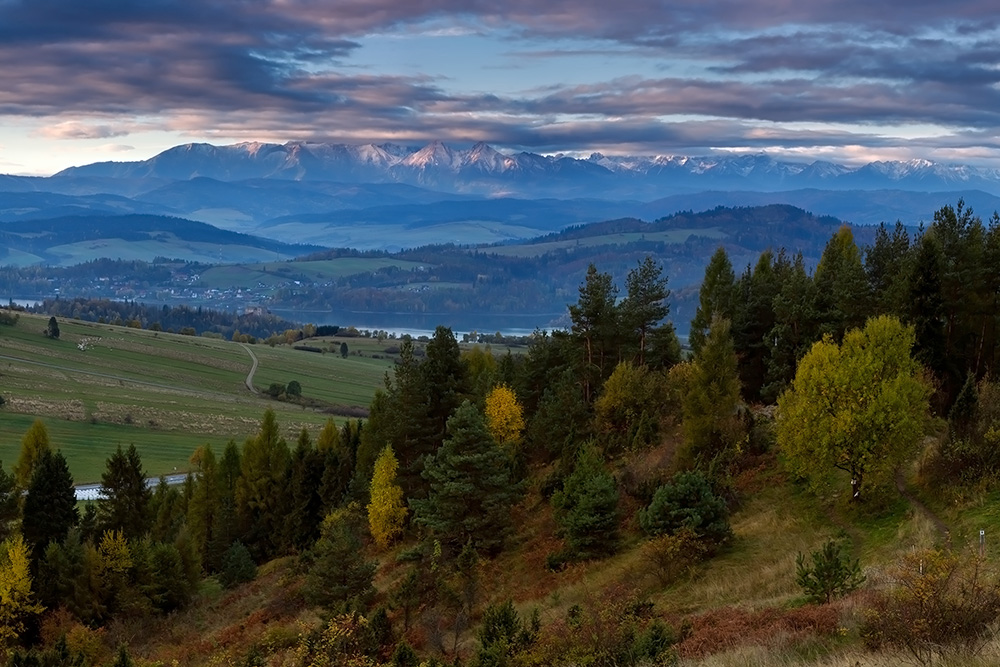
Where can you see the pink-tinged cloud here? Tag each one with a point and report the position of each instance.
(285, 69)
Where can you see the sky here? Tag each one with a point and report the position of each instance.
(843, 80)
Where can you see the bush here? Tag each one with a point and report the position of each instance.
(832, 573)
(668, 557)
(237, 566)
(941, 602)
(687, 502)
(293, 388)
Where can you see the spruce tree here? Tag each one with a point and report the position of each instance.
(339, 578)
(203, 509)
(125, 504)
(49, 505)
(587, 508)
(716, 297)
(471, 486)
(306, 503)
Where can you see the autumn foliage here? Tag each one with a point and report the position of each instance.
(386, 511)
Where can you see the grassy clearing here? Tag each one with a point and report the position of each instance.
(165, 393)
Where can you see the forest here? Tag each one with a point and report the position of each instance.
(850, 383)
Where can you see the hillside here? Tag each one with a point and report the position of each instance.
(808, 487)
(99, 386)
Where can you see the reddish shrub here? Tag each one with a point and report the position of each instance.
(729, 627)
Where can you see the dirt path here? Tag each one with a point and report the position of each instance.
(253, 369)
(915, 503)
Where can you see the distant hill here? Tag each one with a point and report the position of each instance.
(73, 239)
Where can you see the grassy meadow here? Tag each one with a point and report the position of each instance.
(99, 386)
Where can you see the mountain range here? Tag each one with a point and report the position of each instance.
(391, 197)
(482, 170)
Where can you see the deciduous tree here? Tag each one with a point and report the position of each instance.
(504, 415)
(386, 510)
(17, 603)
(859, 407)
(34, 442)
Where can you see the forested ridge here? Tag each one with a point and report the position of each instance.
(605, 442)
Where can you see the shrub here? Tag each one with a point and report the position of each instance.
(941, 602)
(293, 388)
(687, 502)
(667, 557)
(831, 574)
(237, 566)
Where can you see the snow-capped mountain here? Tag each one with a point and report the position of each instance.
(482, 169)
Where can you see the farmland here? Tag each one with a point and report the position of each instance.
(99, 386)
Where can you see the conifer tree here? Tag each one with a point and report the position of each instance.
(261, 489)
(595, 324)
(709, 404)
(339, 577)
(386, 510)
(716, 297)
(471, 487)
(306, 501)
(125, 504)
(49, 505)
(645, 303)
(587, 508)
(203, 509)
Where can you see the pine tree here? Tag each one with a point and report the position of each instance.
(716, 297)
(645, 304)
(471, 487)
(595, 324)
(49, 505)
(386, 511)
(125, 504)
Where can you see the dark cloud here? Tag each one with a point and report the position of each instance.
(255, 67)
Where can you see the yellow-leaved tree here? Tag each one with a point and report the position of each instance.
(386, 511)
(33, 444)
(504, 415)
(860, 407)
(16, 604)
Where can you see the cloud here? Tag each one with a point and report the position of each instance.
(286, 69)
(72, 129)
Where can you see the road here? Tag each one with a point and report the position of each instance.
(253, 368)
(92, 491)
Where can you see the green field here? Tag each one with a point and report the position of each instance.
(165, 393)
(670, 236)
(274, 273)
